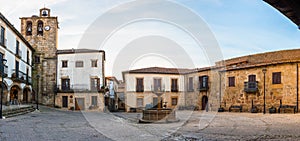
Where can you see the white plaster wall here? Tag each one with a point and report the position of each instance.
(130, 80)
(10, 51)
(80, 76)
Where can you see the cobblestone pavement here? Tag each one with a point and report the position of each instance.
(48, 124)
(53, 124)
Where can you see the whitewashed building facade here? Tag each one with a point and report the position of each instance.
(80, 76)
(18, 68)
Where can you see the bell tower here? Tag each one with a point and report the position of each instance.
(41, 31)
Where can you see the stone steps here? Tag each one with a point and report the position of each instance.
(17, 111)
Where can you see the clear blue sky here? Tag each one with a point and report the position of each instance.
(241, 27)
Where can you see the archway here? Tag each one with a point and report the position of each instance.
(204, 102)
(26, 95)
(15, 94)
(5, 94)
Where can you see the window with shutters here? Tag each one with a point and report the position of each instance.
(174, 85)
(157, 84)
(64, 63)
(79, 64)
(276, 78)
(95, 84)
(94, 101)
(231, 81)
(139, 85)
(203, 83)
(191, 84)
(140, 102)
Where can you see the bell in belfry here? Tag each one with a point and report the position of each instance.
(44, 13)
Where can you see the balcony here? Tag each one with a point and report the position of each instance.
(251, 87)
(3, 43)
(76, 88)
(201, 89)
(139, 88)
(18, 76)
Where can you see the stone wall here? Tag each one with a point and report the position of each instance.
(87, 99)
(286, 91)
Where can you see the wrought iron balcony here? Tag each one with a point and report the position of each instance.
(203, 88)
(18, 76)
(139, 88)
(158, 89)
(76, 88)
(251, 87)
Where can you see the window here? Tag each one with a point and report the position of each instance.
(94, 63)
(203, 82)
(18, 51)
(157, 84)
(191, 84)
(94, 101)
(95, 84)
(40, 28)
(174, 101)
(17, 69)
(139, 85)
(64, 64)
(28, 57)
(140, 102)
(231, 81)
(29, 28)
(2, 39)
(37, 59)
(174, 85)
(79, 64)
(252, 78)
(276, 78)
(65, 84)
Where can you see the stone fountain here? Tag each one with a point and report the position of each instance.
(158, 114)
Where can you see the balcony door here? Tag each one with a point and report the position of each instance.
(252, 78)
(157, 84)
(65, 84)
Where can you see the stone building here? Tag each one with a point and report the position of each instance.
(41, 32)
(80, 76)
(261, 80)
(16, 52)
(143, 86)
(275, 74)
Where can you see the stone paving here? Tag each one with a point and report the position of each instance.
(54, 124)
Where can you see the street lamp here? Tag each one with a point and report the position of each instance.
(264, 70)
(2, 77)
(220, 92)
(37, 92)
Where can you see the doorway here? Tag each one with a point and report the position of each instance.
(204, 102)
(65, 101)
(79, 103)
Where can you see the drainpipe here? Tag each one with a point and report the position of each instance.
(297, 88)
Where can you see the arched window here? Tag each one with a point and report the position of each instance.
(40, 28)
(29, 28)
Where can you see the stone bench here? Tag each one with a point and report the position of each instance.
(235, 108)
(284, 108)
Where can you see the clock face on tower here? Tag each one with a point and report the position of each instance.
(47, 28)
